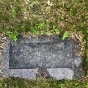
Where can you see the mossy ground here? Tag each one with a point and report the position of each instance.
(42, 83)
(66, 15)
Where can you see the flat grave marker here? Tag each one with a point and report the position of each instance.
(44, 56)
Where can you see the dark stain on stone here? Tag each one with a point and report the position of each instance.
(42, 73)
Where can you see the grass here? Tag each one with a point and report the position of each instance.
(42, 83)
(68, 17)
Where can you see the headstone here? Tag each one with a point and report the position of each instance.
(44, 56)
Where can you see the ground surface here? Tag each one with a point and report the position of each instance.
(21, 83)
(73, 16)
(2, 41)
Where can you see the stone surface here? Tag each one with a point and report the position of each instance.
(44, 56)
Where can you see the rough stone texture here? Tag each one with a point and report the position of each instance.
(45, 56)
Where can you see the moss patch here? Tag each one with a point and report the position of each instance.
(21, 83)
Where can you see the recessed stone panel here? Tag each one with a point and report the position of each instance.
(43, 56)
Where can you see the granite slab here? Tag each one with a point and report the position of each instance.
(43, 56)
